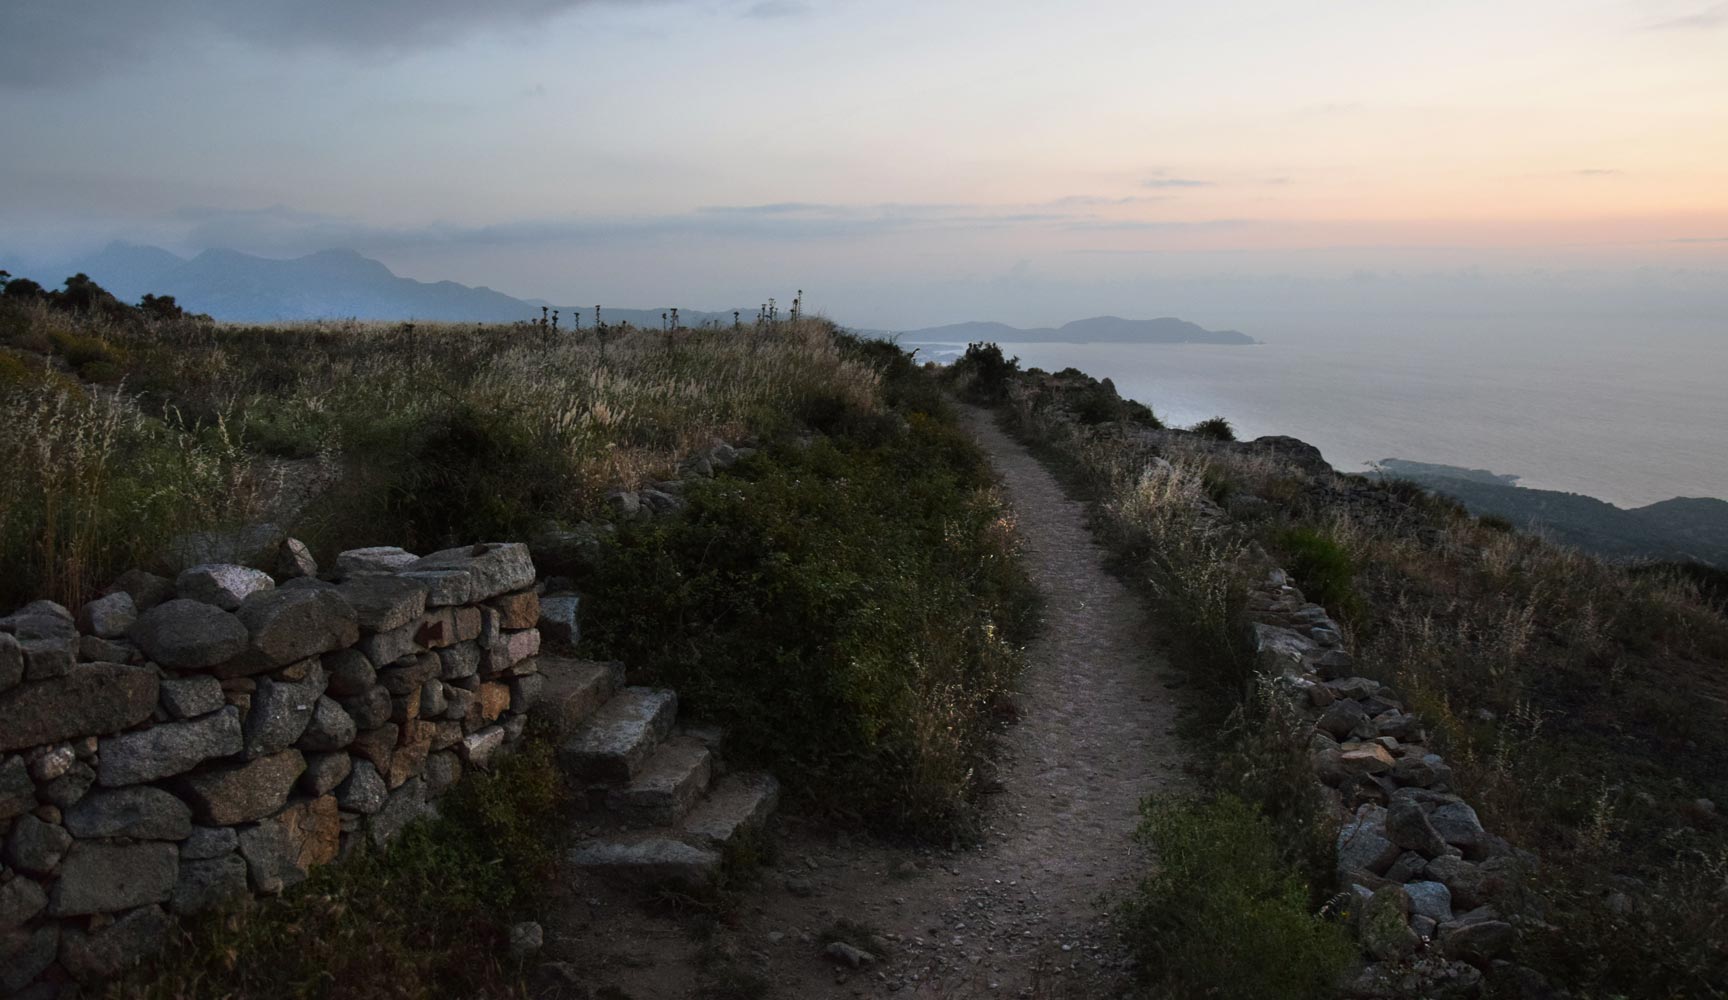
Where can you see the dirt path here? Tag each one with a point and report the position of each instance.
(1025, 913)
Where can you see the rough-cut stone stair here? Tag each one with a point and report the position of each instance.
(662, 810)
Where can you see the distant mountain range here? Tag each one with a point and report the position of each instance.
(1097, 330)
(1681, 528)
(331, 284)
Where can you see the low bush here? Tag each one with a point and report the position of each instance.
(1215, 429)
(1224, 914)
(983, 372)
(1323, 568)
(428, 918)
(862, 592)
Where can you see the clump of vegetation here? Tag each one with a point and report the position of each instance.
(1215, 429)
(1577, 701)
(1324, 566)
(133, 424)
(427, 918)
(1224, 914)
(983, 372)
(860, 589)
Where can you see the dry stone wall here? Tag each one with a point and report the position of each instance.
(1424, 872)
(180, 742)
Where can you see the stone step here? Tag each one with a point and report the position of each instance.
(667, 784)
(575, 689)
(648, 858)
(739, 803)
(620, 736)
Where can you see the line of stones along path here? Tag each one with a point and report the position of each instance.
(1026, 913)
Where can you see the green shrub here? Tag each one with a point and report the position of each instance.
(1223, 914)
(428, 918)
(1323, 569)
(1215, 429)
(1494, 522)
(861, 593)
(985, 372)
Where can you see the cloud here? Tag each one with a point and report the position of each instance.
(770, 9)
(1713, 16)
(1174, 182)
(1700, 239)
(1598, 172)
(53, 41)
(283, 230)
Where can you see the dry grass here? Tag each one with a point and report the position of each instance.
(410, 434)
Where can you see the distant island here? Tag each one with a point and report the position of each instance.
(1683, 528)
(1097, 330)
(238, 287)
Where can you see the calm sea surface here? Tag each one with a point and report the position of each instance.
(1628, 418)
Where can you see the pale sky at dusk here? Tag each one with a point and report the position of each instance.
(905, 161)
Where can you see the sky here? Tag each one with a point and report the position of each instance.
(906, 162)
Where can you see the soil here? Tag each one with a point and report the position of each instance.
(1024, 913)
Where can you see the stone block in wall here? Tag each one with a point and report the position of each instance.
(20, 900)
(433, 703)
(373, 559)
(460, 660)
(329, 727)
(222, 584)
(494, 567)
(491, 628)
(11, 661)
(408, 675)
(510, 649)
(207, 882)
(348, 673)
(559, 618)
(479, 748)
(188, 697)
(49, 657)
(141, 812)
(525, 691)
(493, 699)
(25, 954)
(444, 587)
(92, 698)
(146, 589)
(240, 793)
(283, 849)
(405, 805)
(384, 602)
(448, 733)
(369, 710)
(67, 789)
(95, 956)
(386, 648)
(405, 708)
(469, 623)
(517, 610)
(290, 625)
(364, 790)
(35, 845)
(437, 628)
(168, 749)
(208, 842)
(409, 759)
(377, 745)
(281, 711)
(107, 878)
(443, 770)
(94, 650)
(325, 771)
(17, 791)
(189, 635)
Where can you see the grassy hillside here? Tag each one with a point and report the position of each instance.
(127, 428)
(1582, 703)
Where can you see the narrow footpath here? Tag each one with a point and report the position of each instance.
(1026, 913)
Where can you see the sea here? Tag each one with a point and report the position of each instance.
(1625, 414)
